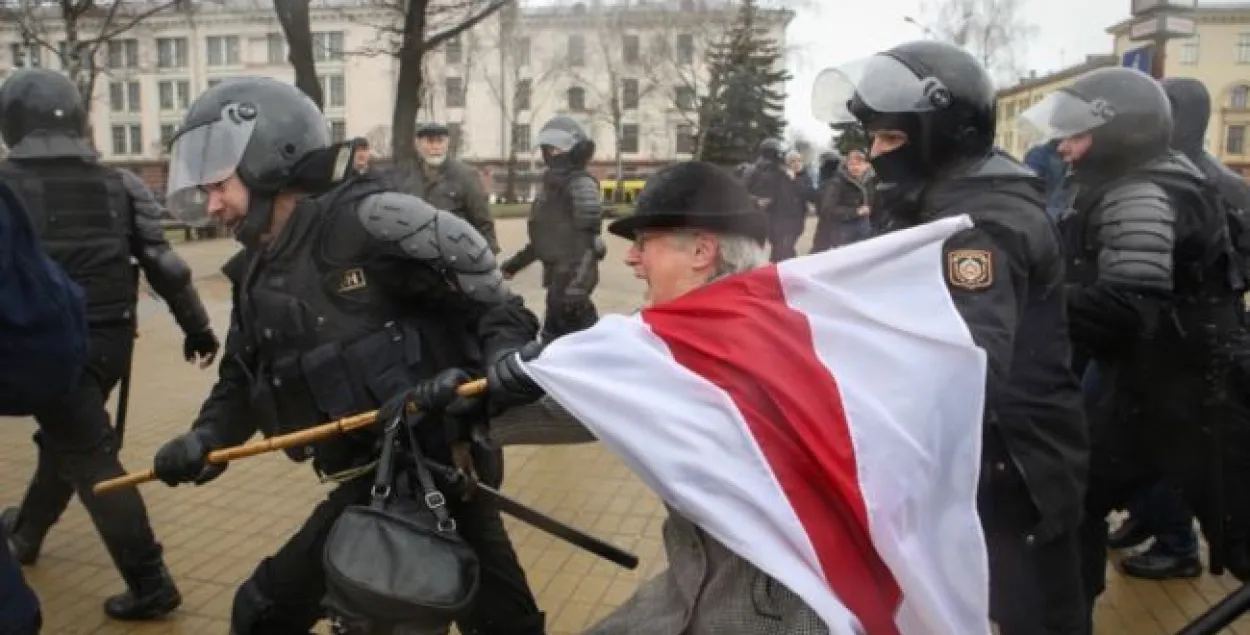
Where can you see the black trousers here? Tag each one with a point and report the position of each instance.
(283, 596)
(564, 316)
(1035, 582)
(77, 449)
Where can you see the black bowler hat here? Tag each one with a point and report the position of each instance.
(433, 129)
(694, 195)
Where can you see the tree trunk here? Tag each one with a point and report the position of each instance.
(296, 23)
(409, 83)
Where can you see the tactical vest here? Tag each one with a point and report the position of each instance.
(83, 215)
(552, 231)
(329, 342)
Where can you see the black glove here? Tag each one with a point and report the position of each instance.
(185, 460)
(203, 345)
(429, 396)
(507, 384)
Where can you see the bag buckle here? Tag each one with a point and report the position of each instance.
(381, 491)
(434, 500)
(446, 525)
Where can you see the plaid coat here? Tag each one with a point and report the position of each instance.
(706, 590)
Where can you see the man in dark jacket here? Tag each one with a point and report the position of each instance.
(842, 208)
(447, 182)
(772, 183)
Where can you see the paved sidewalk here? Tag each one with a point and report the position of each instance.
(215, 535)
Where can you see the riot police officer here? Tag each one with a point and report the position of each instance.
(564, 228)
(92, 220)
(345, 294)
(929, 108)
(1150, 307)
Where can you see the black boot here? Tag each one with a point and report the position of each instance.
(150, 594)
(25, 546)
(1153, 565)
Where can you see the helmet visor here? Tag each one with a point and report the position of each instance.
(208, 153)
(1061, 114)
(881, 83)
(563, 140)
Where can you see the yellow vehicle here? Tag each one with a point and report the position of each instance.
(632, 187)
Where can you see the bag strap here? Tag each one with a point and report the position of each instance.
(434, 499)
(384, 476)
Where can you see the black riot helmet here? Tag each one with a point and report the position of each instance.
(43, 103)
(937, 93)
(772, 150)
(566, 135)
(256, 126)
(1125, 110)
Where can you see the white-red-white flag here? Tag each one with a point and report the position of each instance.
(821, 418)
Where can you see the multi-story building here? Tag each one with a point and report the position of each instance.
(631, 72)
(1218, 55)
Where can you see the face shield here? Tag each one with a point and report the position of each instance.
(881, 83)
(205, 154)
(1061, 114)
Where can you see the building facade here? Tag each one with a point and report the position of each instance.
(630, 72)
(1218, 55)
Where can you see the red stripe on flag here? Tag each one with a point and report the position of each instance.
(742, 336)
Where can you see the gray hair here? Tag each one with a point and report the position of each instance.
(736, 254)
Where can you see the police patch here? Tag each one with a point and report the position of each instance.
(970, 269)
(351, 280)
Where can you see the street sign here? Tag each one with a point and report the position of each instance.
(1142, 7)
(1158, 27)
(1141, 58)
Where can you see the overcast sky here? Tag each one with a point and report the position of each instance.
(831, 32)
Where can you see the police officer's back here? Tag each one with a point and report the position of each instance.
(930, 107)
(92, 220)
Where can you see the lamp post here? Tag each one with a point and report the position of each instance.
(1158, 21)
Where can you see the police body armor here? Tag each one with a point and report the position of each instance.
(82, 213)
(328, 342)
(552, 229)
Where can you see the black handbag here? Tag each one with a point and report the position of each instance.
(398, 564)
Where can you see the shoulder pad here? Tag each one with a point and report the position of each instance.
(999, 165)
(440, 239)
(1135, 190)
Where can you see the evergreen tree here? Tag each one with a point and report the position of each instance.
(850, 136)
(746, 99)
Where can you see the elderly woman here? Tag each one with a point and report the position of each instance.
(694, 224)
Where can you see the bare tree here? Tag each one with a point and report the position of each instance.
(296, 21)
(407, 30)
(75, 31)
(605, 82)
(996, 31)
(517, 83)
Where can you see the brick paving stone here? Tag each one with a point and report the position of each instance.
(215, 535)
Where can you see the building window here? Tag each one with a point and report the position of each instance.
(685, 140)
(524, 90)
(276, 45)
(223, 50)
(123, 53)
(455, 135)
(328, 46)
(685, 48)
(338, 130)
(167, 135)
(1238, 98)
(124, 96)
(454, 89)
(175, 94)
(1235, 140)
(629, 94)
(629, 138)
(577, 99)
(1243, 48)
(333, 90)
(454, 51)
(577, 50)
(521, 138)
(683, 97)
(26, 56)
(629, 48)
(171, 52)
(522, 47)
(1189, 51)
(128, 139)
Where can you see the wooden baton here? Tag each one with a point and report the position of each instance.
(273, 444)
